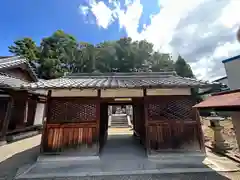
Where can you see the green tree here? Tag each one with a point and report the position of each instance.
(161, 61)
(26, 48)
(53, 60)
(182, 68)
(60, 53)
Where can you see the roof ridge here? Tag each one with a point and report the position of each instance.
(122, 74)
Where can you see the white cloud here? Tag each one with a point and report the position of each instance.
(129, 19)
(202, 31)
(84, 10)
(102, 13)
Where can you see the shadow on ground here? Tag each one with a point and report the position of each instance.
(9, 167)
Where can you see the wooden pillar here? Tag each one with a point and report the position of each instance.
(6, 122)
(200, 131)
(196, 117)
(45, 120)
(134, 119)
(147, 144)
(98, 119)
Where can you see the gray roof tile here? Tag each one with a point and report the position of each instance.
(14, 61)
(118, 80)
(8, 81)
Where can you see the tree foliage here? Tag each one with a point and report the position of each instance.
(25, 47)
(182, 68)
(60, 53)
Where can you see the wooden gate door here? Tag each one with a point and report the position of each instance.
(171, 124)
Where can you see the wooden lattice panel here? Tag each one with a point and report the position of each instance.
(170, 109)
(71, 110)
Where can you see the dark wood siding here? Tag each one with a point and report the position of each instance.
(61, 137)
(72, 123)
(171, 123)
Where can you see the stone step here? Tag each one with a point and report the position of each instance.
(119, 126)
(125, 119)
(117, 122)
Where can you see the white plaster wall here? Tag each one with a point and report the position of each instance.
(115, 93)
(74, 93)
(175, 91)
(232, 69)
(39, 115)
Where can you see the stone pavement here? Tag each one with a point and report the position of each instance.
(23, 154)
(16, 155)
(121, 158)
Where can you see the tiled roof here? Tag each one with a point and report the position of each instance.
(14, 61)
(223, 99)
(119, 80)
(8, 81)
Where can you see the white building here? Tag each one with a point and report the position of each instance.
(232, 68)
(223, 80)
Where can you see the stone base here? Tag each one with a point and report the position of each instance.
(3, 142)
(59, 159)
(178, 158)
(220, 147)
(21, 136)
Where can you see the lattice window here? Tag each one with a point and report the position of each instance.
(72, 111)
(170, 109)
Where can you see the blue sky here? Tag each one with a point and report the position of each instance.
(191, 28)
(40, 18)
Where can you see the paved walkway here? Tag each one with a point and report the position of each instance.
(16, 155)
(122, 156)
(24, 153)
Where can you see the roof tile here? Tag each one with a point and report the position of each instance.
(13, 61)
(118, 80)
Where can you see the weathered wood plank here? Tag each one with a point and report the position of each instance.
(66, 136)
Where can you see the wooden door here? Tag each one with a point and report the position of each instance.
(171, 124)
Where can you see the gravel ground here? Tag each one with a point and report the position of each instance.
(228, 133)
